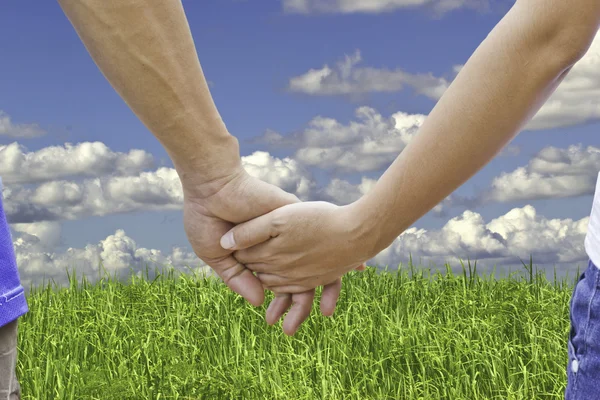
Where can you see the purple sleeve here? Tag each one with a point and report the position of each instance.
(13, 303)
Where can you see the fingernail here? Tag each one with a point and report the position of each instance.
(227, 241)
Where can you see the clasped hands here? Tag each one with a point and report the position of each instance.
(240, 225)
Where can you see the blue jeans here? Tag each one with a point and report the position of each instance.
(583, 368)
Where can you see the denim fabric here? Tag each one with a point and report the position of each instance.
(12, 296)
(592, 236)
(583, 368)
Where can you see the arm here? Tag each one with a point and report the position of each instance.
(146, 51)
(503, 84)
(501, 87)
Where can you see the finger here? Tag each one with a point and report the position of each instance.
(272, 280)
(241, 280)
(330, 296)
(265, 198)
(255, 254)
(361, 267)
(292, 289)
(258, 268)
(302, 304)
(278, 284)
(278, 307)
(249, 233)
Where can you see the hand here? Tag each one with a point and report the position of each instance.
(301, 246)
(211, 212)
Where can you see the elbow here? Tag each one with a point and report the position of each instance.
(572, 44)
(563, 30)
(575, 29)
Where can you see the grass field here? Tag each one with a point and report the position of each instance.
(393, 336)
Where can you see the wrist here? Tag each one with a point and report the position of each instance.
(200, 188)
(363, 229)
(204, 174)
(375, 222)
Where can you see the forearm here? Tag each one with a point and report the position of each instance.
(146, 51)
(500, 88)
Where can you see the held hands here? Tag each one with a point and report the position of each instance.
(212, 211)
(300, 246)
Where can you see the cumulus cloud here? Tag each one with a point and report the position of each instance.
(376, 6)
(575, 101)
(552, 173)
(87, 159)
(502, 241)
(58, 200)
(155, 190)
(45, 235)
(118, 254)
(346, 78)
(342, 192)
(25, 131)
(286, 173)
(369, 144)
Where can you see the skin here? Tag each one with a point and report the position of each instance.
(146, 51)
(501, 87)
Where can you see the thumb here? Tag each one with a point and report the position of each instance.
(249, 233)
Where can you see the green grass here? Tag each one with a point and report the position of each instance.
(393, 336)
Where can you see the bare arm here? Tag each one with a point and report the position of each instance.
(146, 51)
(501, 87)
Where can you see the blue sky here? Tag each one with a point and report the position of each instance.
(250, 53)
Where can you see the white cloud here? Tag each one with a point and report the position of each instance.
(375, 6)
(119, 254)
(285, 173)
(26, 131)
(86, 159)
(57, 200)
(342, 192)
(346, 78)
(155, 190)
(369, 144)
(44, 235)
(502, 241)
(552, 173)
(575, 101)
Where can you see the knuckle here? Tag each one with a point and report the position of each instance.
(279, 223)
(273, 260)
(292, 275)
(232, 272)
(259, 266)
(240, 255)
(241, 236)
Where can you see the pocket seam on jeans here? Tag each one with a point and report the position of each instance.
(573, 348)
(572, 332)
